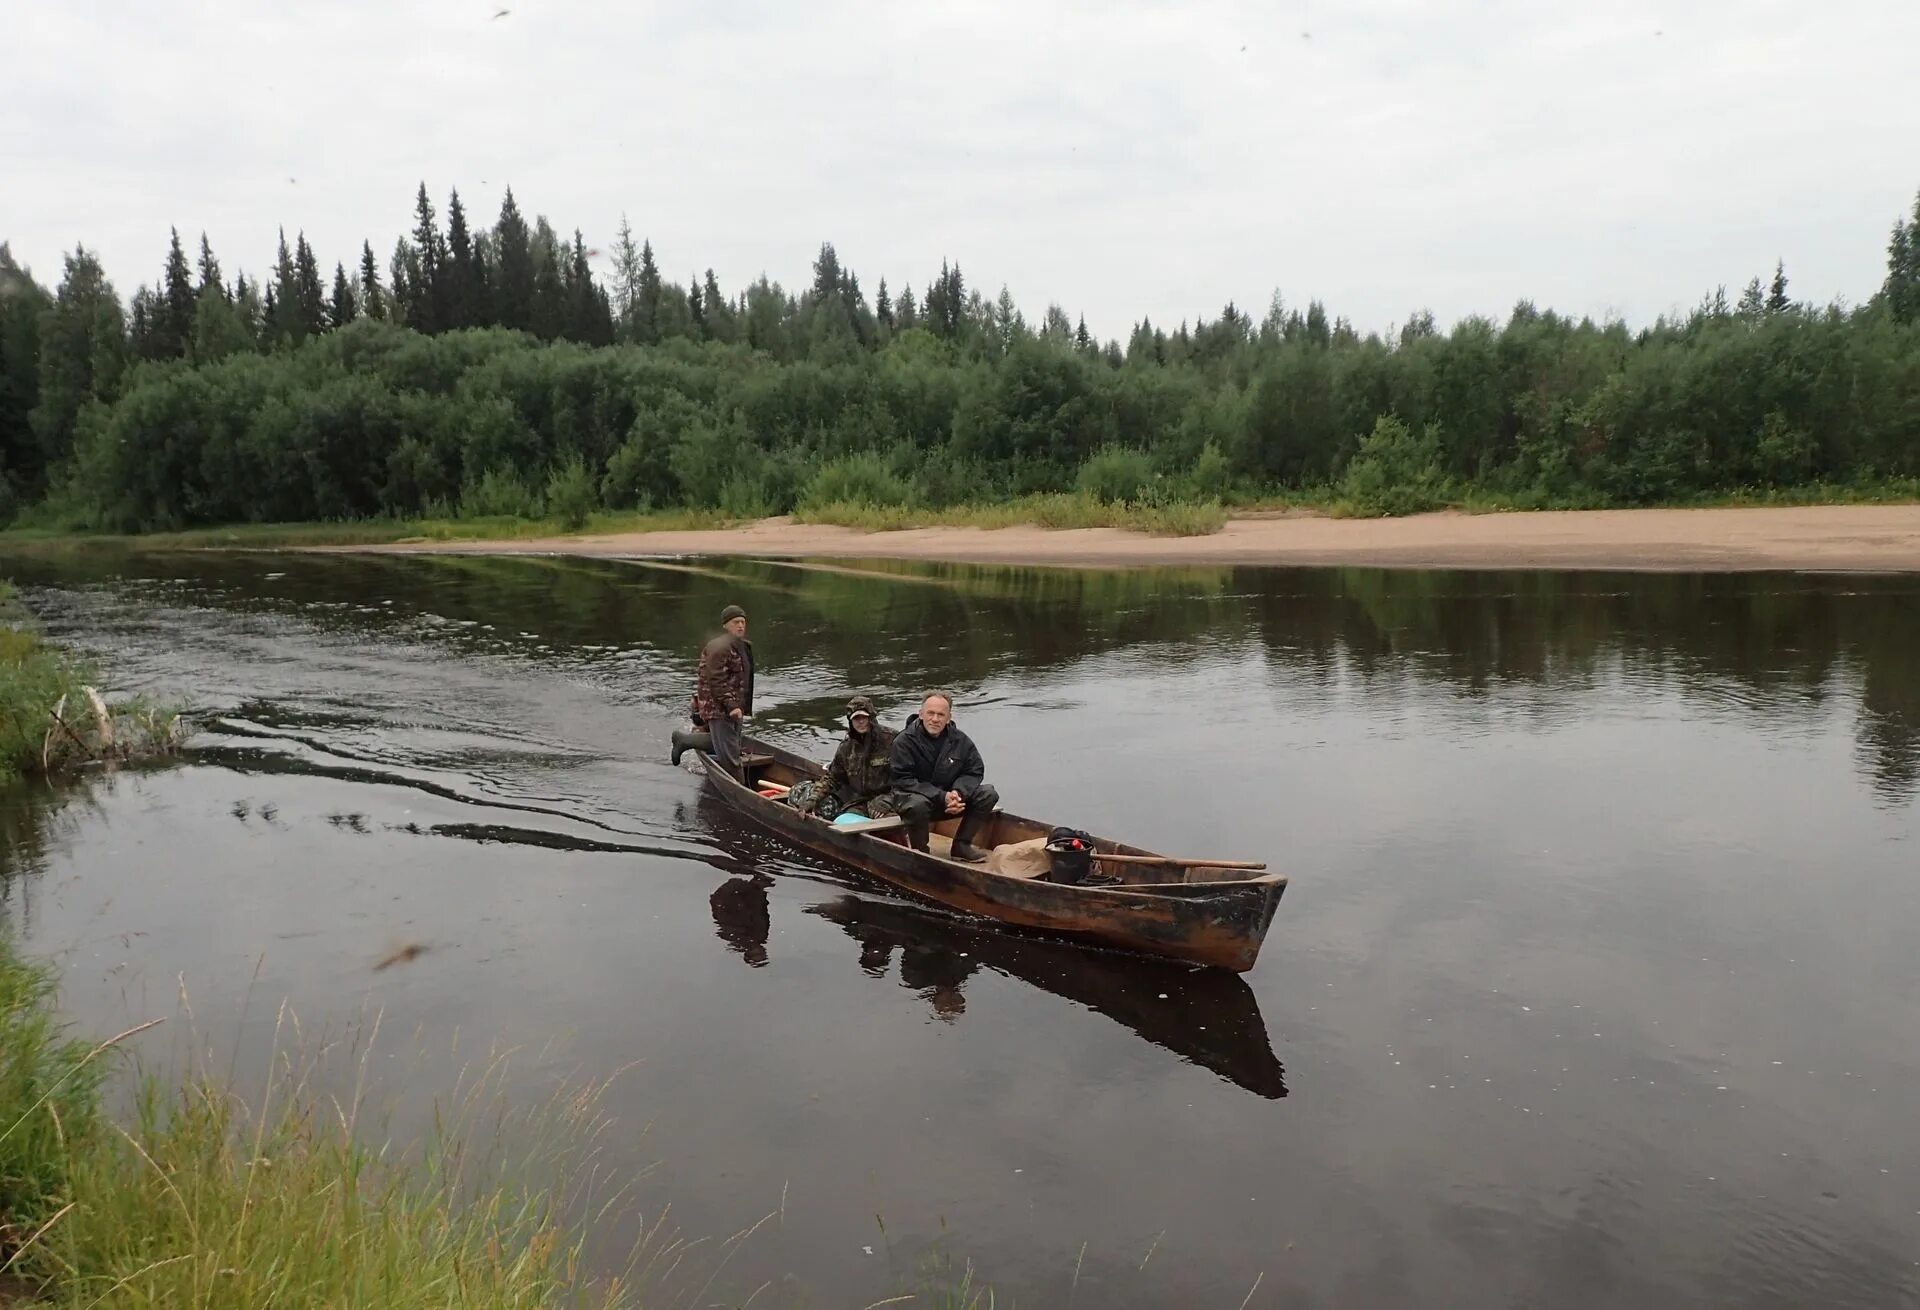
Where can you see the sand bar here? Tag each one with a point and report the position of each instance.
(1872, 538)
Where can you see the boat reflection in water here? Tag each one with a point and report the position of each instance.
(1208, 1016)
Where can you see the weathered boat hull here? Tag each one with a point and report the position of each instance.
(1218, 922)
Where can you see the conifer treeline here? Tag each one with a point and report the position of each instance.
(474, 365)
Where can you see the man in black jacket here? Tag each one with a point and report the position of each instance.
(938, 770)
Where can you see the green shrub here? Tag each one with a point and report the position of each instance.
(570, 495)
(499, 494)
(1396, 472)
(1211, 476)
(859, 479)
(1116, 474)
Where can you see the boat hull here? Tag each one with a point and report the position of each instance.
(1220, 924)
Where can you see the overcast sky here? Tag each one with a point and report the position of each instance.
(1615, 157)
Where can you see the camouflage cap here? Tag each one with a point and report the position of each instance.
(860, 705)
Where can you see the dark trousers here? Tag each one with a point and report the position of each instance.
(726, 742)
(920, 813)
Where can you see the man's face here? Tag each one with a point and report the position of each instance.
(738, 627)
(859, 721)
(935, 715)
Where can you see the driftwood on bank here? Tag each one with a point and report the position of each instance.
(108, 738)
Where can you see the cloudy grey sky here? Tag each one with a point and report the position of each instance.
(1614, 157)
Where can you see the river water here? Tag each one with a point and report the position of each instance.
(1596, 980)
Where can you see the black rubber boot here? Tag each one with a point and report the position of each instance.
(691, 741)
(970, 826)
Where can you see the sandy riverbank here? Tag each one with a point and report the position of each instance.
(1883, 538)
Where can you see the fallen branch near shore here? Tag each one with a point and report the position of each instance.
(111, 738)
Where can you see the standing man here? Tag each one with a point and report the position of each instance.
(938, 770)
(723, 690)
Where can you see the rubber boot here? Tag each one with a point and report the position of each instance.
(963, 847)
(917, 834)
(691, 741)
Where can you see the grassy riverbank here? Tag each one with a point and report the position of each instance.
(52, 717)
(203, 1200)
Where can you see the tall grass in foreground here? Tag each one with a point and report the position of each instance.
(203, 1200)
(304, 1198)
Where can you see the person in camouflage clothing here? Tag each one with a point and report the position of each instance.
(860, 778)
(723, 687)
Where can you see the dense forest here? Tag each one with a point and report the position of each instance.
(493, 371)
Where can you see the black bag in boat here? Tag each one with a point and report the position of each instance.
(1069, 855)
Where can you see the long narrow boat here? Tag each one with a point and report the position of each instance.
(1201, 914)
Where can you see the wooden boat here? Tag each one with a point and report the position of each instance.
(1202, 914)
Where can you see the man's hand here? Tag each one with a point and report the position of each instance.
(734, 715)
(956, 803)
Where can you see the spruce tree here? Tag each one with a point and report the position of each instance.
(342, 310)
(373, 297)
(933, 308)
(513, 288)
(697, 309)
(209, 269)
(549, 283)
(1319, 331)
(403, 273)
(284, 324)
(826, 273)
(428, 312)
(647, 298)
(1777, 302)
(1081, 341)
(462, 273)
(174, 328)
(721, 318)
(906, 314)
(313, 295)
(589, 317)
(883, 306)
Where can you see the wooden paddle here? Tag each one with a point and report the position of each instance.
(1179, 861)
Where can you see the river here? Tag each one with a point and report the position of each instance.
(1595, 981)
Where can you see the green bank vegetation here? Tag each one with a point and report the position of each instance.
(51, 716)
(486, 377)
(202, 1200)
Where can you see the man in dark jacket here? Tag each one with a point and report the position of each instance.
(860, 778)
(937, 770)
(723, 688)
